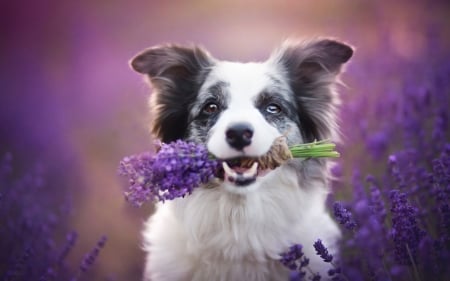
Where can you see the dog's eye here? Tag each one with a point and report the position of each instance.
(210, 108)
(273, 108)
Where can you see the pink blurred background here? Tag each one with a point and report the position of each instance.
(70, 100)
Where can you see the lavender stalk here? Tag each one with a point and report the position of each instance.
(316, 149)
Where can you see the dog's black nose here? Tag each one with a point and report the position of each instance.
(239, 135)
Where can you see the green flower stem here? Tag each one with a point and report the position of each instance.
(316, 149)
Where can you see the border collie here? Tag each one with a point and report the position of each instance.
(236, 227)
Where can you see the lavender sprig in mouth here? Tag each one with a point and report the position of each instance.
(179, 167)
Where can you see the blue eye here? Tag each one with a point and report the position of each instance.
(273, 108)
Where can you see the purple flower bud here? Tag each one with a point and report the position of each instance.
(322, 251)
(290, 257)
(295, 260)
(406, 232)
(71, 239)
(343, 216)
(90, 257)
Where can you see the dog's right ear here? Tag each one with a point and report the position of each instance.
(176, 74)
(171, 62)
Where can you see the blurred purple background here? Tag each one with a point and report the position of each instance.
(70, 101)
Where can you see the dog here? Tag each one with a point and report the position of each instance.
(236, 227)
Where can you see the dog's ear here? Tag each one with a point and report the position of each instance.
(312, 68)
(176, 74)
(307, 60)
(171, 61)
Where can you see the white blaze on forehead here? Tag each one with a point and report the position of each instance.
(244, 82)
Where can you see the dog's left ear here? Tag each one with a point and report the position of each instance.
(310, 59)
(312, 68)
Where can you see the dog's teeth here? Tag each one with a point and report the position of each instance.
(228, 170)
(250, 173)
(233, 176)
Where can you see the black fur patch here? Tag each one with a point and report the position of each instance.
(312, 68)
(176, 74)
(199, 123)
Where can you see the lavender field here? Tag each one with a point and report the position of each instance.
(71, 109)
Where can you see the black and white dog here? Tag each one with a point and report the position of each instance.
(236, 230)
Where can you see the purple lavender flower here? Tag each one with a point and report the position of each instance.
(295, 260)
(18, 267)
(441, 182)
(290, 257)
(343, 216)
(406, 232)
(53, 269)
(396, 173)
(138, 168)
(173, 172)
(90, 257)
(30, 220)
(71, 239)
(440, 127)
(322, 251)
(335, 274)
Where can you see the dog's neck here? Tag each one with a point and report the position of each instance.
(253, 224)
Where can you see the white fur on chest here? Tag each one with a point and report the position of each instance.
(217, 235)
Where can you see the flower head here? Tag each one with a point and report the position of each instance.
(322, 251)
(406, 232)
(290, 257)
(295, 260)
(90, 257)
(173, 172)
(343, 216)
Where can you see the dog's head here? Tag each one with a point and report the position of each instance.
(239, 109)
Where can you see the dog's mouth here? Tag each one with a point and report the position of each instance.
(241, 171)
